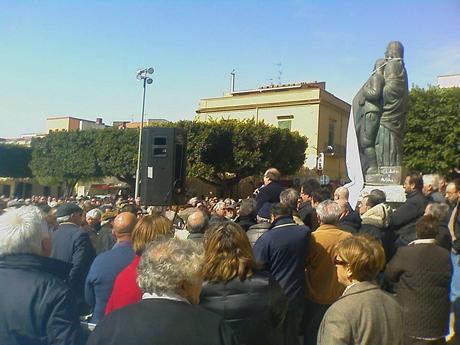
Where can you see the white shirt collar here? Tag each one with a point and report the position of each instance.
(423, 241)
(171, 296)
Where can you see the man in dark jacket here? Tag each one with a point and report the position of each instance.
(71, 244)
(247, 215)
(271, 189)
(306, 211)
(283, 251)
(37, 307)
(402, 220)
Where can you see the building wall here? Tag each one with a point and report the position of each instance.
(447, 81)
(58, 124)
(85, 125)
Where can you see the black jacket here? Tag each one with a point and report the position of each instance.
(245, 222)
(269, 193)
(403, 219)
(162, 322)
(422, 273)
(254, 308)
(37, 307)
(71, 244)
(308, 214)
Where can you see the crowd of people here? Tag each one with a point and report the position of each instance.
(281, 267)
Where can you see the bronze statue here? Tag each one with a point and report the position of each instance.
(395, 100)
(379, 111)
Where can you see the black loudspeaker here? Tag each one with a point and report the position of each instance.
(163, 166)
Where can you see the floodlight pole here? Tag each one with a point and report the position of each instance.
(141, 75)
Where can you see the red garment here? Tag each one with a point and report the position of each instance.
(125, 290)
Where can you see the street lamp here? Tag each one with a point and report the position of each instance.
(143, 75)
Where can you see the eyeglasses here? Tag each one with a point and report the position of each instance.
(339, 262)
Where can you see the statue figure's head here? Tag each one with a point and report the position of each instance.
(395, 49)
(378, 65)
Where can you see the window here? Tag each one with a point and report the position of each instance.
(284, 124)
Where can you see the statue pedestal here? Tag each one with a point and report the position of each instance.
(388, 180)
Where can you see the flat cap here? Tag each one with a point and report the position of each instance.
(67, 209)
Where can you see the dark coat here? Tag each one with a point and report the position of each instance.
(363, 315)
(307, 213)
(162, 322)
(245, 222)
(351, 222)
(422, 273)
(283, 250)
(37, 307)
(71, 244)
(254, 308)
(402, 220)
(269, 193)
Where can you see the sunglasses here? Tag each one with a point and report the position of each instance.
(339, 262)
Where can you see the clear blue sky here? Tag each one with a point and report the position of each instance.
(79, 58)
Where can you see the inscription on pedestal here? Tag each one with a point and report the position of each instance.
(386, 176)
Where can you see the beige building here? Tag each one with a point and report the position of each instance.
(70, 124)
(304, 107)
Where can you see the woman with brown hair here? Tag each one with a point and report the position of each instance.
(125, 289)
(251, 302)
(364, 314)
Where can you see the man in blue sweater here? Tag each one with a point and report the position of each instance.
(107, 265)
(283, 251)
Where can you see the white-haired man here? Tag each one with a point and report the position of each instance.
(431, 188)
(37, 307)
(168, 313)
(322, 285)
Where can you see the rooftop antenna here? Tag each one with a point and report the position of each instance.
(280, 72)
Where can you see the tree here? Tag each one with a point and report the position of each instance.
(431, 143)
(14, 161)
(226, 151)
(65, 157)
(116, 152)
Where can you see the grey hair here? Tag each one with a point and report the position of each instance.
(439, 211)
(22, 231)
(165, 265)
(63, 219)
(328, 212)
(431, 180)
(219, 206)
(289, 197)
(197, 222)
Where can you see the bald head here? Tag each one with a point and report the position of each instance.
(124, 223)
(197, 222)
(341, 193)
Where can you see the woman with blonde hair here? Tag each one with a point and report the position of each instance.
(125, 289)
(364, 314)
(251, 303)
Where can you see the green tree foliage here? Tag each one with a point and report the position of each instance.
(224, 152)
(14, 161)
(432, 140)
(65, 157)
(220, 152)
(116, 152)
